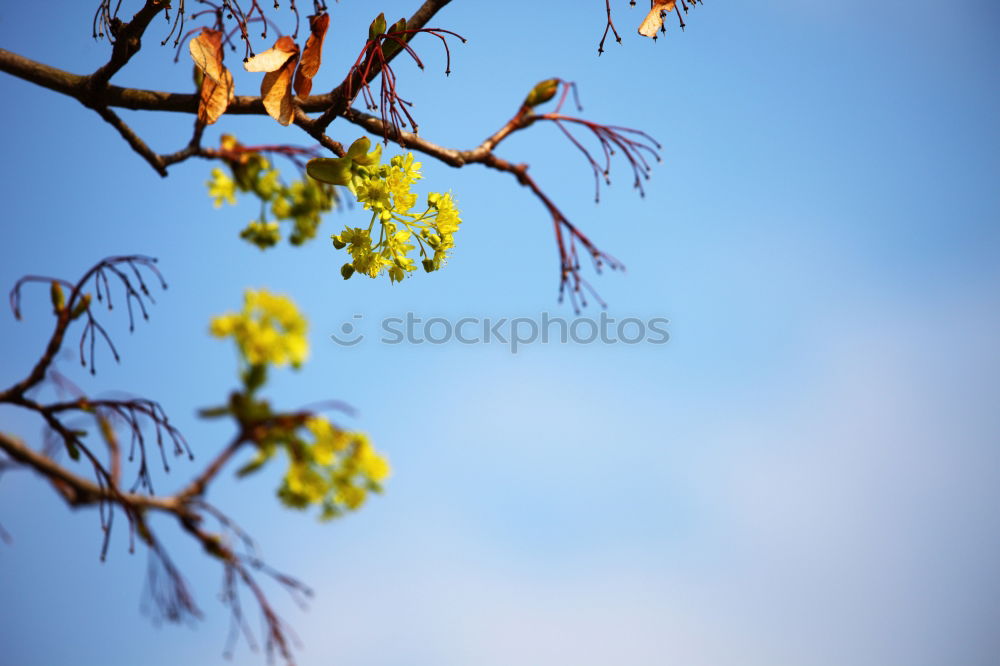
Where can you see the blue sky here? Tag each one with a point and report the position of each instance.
(807, 473)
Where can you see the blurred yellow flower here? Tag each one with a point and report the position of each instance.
(269, 330)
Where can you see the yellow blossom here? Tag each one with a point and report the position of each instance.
(269, 330)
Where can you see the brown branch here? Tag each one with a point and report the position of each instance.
(170, 596)
(90, 89)
(482, 154)
(143, 419)
(341, 95)
(190, 513)
(42, 365)
(169, 591)
(127, 42)
(74, 85)
(200, 482)
(85, 491)
(570, 280)
(450, 156)
(313, 129)
(609, 27)
(133, 140)
(238, 568)
(609, 137)
(456, 158)
(135, 99)
(193, 148)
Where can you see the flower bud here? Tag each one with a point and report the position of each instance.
(428, 265)
(338, 243)
(81, 306)
(359, 148)
(58, 298)
(377, 27)
(347, 270)
(542, 92)
(333, 170)
(370, 159)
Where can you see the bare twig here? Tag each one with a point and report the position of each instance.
(340, 96)
(144, 421)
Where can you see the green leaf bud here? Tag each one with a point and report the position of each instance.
(377, 27)
(542, 92)
(336, 171)
(391, 47)
(359, 148)
(370, 159)
(255, 377)
(214, 412)
(58, 297)
(259, 461)
(81, 306)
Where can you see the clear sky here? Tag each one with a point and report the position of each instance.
(808, 473)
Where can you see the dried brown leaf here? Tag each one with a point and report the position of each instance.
(215, 97)
(312, 54)
(276, 89)
(273, 58)
(278, 63)
(206, 51)
(217, 82)
(653, 21)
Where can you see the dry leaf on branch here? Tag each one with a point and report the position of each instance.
(273, 58)
(312, 54)
(278, 63)
(217, 82)
(653, 21)
(215, 97)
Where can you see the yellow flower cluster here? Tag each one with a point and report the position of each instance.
(269, 330)
(300, 202)
(329, 467)
(336, 470)
(221, 188)
(385, 190)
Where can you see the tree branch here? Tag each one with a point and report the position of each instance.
(133, 139)
(85, 491)
(135, 415)
(136, 99)
(340, 101)
(127, 42)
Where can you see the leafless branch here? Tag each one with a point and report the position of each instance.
(145, 423)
